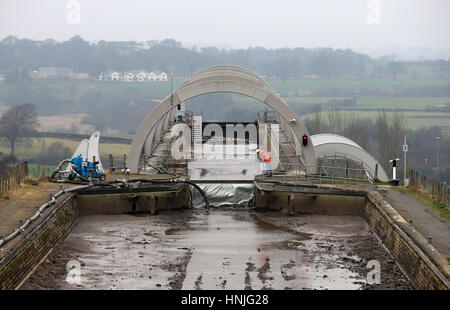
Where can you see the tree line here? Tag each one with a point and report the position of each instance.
(170, 56)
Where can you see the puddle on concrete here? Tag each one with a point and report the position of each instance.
(236, 252)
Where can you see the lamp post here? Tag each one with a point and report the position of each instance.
(437, 152)
(405, 150)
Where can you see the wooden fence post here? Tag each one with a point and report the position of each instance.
(111, 163)
(25, 168)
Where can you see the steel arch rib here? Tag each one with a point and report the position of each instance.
(328, 145)
(231, 79)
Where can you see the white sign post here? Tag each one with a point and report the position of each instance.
(405, 150)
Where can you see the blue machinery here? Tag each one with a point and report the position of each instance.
(85, 169)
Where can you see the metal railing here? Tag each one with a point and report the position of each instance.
(322, 174)
(267, 116)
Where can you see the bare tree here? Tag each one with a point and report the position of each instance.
(18, 122)
(4, 163)
(355, 129)
(315, 124)
(390, 133)
(336, 121)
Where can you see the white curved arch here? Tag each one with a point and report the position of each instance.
(231, 79)
(330, 145)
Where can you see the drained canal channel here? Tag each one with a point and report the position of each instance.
(228, 248)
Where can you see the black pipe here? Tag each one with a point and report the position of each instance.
(201, 192)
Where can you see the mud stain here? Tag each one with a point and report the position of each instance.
(227, 249)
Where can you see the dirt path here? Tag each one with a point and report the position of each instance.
(20, 204)
(425, 220)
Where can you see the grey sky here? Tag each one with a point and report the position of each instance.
(236, 23)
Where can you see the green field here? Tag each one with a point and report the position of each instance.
(414, 108)
(24, 152)
(308, 85)
(35, 170)
(362, 103)
(415, 120)
(66, 90)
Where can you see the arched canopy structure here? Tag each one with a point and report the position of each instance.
(335, 146)
(225, 78)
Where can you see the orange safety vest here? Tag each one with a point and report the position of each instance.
(263, 156)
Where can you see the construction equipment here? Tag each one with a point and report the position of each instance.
(85, 162)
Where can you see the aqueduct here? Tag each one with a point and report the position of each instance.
(234, 79)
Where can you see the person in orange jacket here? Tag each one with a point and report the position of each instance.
(265, 158)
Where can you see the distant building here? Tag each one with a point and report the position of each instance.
(163, 77)
(105, 76)
(130, 76)
(157, 76)
(57, 73)
(152, 76)
(116, 76)
(80, 76)
(141, 76)
(53, 72)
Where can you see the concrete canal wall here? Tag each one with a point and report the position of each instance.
(25, 253)
(423, 273)
(21, 257)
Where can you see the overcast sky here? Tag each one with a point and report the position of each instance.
(236, 23)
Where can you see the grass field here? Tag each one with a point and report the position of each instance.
(35, 170)
(362, 103)
(414, 108)
(29, 152)
(307, 85)
(415, 120)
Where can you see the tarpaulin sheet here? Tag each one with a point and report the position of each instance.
(223, 194)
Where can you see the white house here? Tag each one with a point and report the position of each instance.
(105, 76)
(163, 77)
(151, 76)
(116, 76)
(157, 76)
(141, 76)
(128, 76)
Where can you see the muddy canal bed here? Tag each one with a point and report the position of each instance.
(227, 249)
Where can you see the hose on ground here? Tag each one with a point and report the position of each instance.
(173, 180)
(39, 211)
